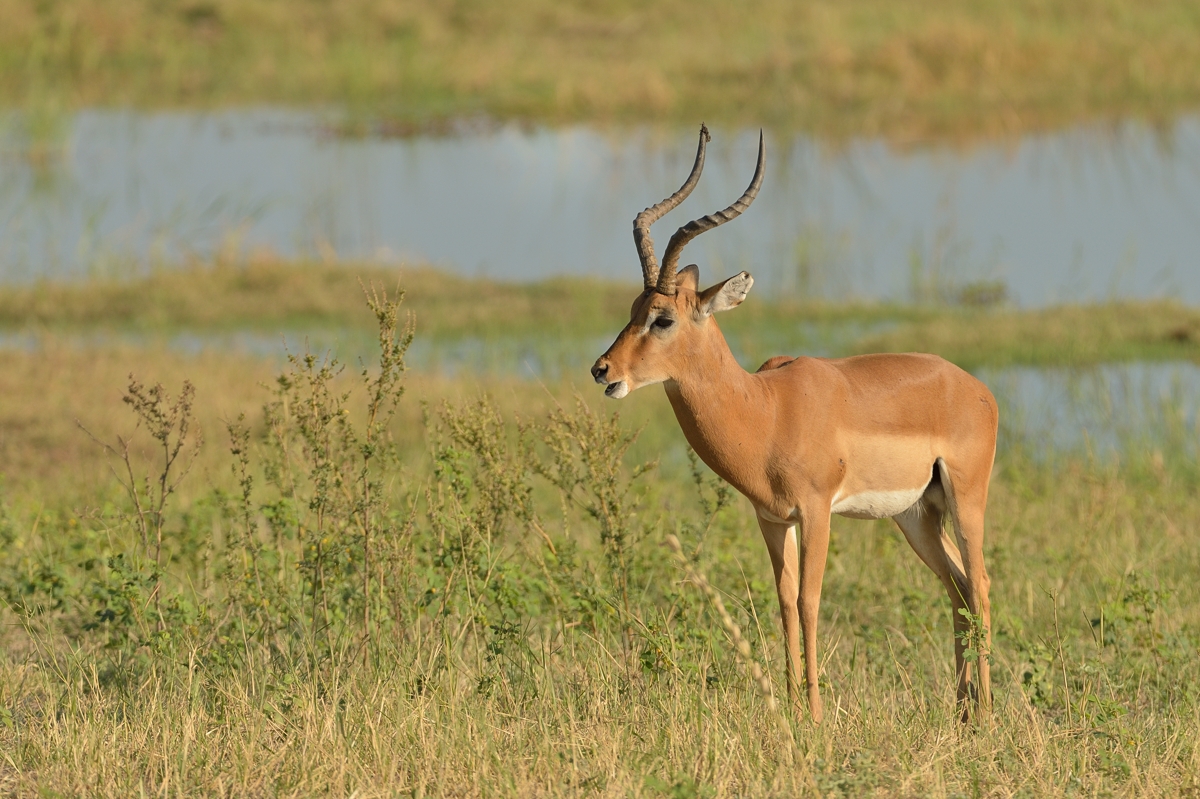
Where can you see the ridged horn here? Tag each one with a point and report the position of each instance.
(670, 264)
(643, 221)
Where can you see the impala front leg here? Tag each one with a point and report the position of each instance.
(781, 544)
(814, 549)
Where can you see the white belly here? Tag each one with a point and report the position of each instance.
(876, 504)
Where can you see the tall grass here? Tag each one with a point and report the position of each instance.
(475, 599)
(907, 70)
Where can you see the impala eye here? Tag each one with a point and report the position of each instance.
(663, 322)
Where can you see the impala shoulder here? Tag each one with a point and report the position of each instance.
(803, 376)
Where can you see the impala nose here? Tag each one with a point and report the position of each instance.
(600, 372)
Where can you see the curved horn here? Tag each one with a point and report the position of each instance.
(666, 277)
(643, 221)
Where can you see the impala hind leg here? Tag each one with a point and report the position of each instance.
(781, 544)
(922, 525)
(967, 500)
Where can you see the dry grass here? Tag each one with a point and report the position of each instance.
(582, 722)
(46, 393)
(906, 70)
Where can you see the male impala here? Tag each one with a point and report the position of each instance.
(908, 436)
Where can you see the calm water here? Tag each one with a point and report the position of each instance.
(1102, 409)
(1078, 215)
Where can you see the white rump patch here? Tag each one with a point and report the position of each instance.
(877, 504)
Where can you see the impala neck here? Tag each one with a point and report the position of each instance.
(718, 403)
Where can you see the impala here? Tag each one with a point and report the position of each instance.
(909, 436)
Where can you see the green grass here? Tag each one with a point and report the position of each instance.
(571, 317)
(907, 70)
(1069, 335)
(274, 295)
(528, 633)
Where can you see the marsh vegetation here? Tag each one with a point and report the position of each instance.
(571, 315)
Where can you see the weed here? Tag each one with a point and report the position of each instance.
(974, 638)
(169, 423)
(740, 644)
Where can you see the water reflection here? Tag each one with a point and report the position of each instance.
(1068, 216)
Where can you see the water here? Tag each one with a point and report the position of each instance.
(1070, 216)
(1101, 410)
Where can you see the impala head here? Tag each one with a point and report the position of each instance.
(672, 318)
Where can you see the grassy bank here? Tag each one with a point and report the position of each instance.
(906, 70)
(274, 295)
(573, 316)
(479, 603)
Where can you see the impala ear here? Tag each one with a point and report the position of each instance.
(726, 295)
(688, 278)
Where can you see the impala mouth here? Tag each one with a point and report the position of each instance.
(616, 390)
